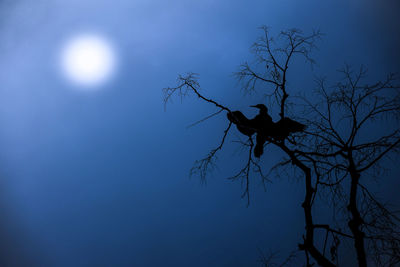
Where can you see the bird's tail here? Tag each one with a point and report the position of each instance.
(258, 150)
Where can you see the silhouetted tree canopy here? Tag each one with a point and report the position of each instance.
(329, 144)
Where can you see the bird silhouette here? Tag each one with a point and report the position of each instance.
(264, 126)
(262, 121)
(242, 123)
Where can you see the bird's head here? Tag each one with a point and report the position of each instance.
(261, 107)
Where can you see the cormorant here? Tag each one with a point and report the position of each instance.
(264, 127)
(242, 123)
(263, 120)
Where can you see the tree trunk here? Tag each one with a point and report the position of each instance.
(308, 245)
(356, 220)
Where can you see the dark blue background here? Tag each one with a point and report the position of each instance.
(100, 178)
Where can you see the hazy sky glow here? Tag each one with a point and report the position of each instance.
(101, 178)
(87, 59)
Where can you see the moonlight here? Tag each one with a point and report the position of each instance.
(88, 60)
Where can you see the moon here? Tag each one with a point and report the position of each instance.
(88, 60)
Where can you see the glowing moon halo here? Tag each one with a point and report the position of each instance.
(88, 60)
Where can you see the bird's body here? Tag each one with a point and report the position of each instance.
(262, 122)
(264, 126)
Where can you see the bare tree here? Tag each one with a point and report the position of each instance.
(349, 149)
(325, 155)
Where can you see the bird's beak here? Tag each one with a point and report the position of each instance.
(253, 106)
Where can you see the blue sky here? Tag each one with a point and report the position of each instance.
(101, 177)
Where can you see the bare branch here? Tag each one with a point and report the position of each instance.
(202, 167)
